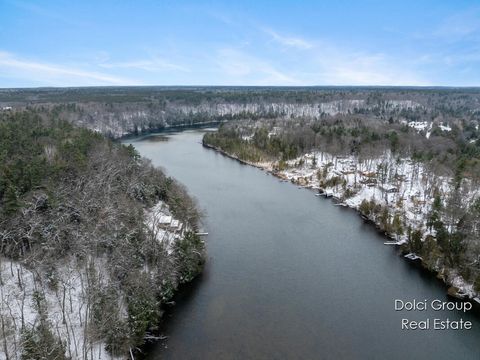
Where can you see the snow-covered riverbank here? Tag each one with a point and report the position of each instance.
(402, 189)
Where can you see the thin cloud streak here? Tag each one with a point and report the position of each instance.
(53, 74)
(289, 41)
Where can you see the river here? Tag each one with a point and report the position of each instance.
(290, 276)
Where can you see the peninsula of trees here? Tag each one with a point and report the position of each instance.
(93, 240)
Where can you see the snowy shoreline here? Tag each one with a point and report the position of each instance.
(456, 286)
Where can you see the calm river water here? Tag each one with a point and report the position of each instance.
(290, 276)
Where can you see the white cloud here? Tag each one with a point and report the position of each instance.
(53, 74)
(289, 41)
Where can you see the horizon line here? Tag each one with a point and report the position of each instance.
(244, 86)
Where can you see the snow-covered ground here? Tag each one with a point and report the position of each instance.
(66, 301)
(66, 307)
(425, 126)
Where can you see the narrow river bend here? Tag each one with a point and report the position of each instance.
(290, 276)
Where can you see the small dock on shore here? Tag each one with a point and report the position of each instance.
(391, 243)
(412, 256)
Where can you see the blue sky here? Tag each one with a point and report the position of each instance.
(87, 43)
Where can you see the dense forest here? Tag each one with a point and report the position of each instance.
(121, 111)
(83, 270)
(453, 152)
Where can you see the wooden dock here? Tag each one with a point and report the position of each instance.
(390, 243)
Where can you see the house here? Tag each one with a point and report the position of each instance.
(164, 221)
(175, 225)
